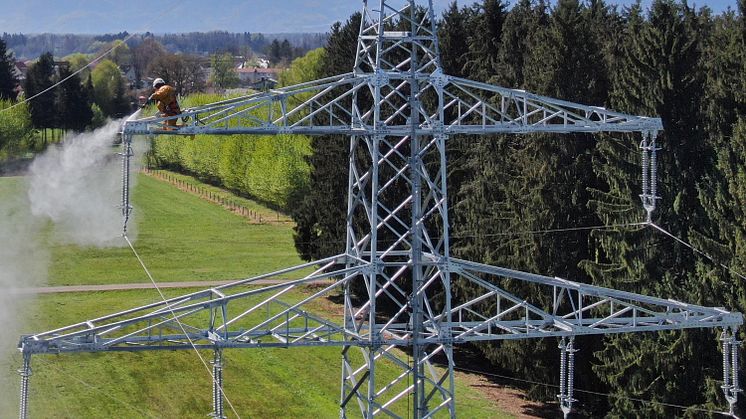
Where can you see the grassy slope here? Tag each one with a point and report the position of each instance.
(181, 238)
(261, 382)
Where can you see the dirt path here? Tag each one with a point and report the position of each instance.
(507, 399)
(140, 285)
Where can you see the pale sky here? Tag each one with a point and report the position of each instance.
(161, 16)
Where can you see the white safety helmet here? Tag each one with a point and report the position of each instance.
(157, 82)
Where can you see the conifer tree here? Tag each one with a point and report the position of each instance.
(723, 193)
(520, 26)
(321, 215)
(8, 80)
(520, 184)
(451, 32)
(41, 76)
(485, 31)
(659, 73)
(72, 103)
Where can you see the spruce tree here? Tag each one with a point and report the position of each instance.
(723, 193)
(451, 32)
(659, 72)
(485, 32)
(8, 80)
(40, 76)
(516, 41)
(320, 217)
(520, 184)
(72, 103)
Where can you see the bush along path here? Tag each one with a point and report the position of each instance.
(226, 199)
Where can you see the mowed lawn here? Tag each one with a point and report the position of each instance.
(260, 383)
(180, 237)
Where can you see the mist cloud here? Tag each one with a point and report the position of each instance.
(77, 185)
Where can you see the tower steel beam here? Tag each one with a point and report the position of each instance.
(399, 110)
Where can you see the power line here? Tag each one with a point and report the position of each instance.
(551, 230)
(695, 250)
(597, 393)
(95, 60)
(501, 234)
(181, 326)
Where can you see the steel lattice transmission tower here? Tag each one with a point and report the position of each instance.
(399, 109)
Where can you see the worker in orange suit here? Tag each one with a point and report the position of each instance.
(165, 95)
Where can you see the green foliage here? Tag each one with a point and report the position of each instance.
(305, 68)
(686, 66)
(659, 70)
(223, 75)
(8, 80)
(270, 169)
(109, 89)
(280, 52)
(453, 49)
(320, 215)
(120, 52)
(72, 103)
(15, 126)
(485, 29)
(40, 77)
(98, 118)
(535, 182)
(77, 61)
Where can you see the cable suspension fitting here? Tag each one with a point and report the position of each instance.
(217, 384)
(730, 385)
(567, 375)
(649, 172)
(126, 154)
(25, 373)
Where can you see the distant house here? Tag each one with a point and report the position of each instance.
(20, 69)
(262, 63)
(129, 73)
(262, 78)
(59, 65)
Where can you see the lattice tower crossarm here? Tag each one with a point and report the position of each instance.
(399, 109)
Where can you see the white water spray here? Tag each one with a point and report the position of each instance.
(77, 185)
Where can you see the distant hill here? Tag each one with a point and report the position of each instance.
(200, 43)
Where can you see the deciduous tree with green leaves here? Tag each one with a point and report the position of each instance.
(224, 75)
(109, 89)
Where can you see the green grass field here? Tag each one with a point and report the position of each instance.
(181, 238)
(261, 383)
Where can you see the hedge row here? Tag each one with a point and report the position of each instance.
(272, 169)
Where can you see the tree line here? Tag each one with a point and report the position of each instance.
(272, 170)
(687, 66)
(195, 43)
(101, 90)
